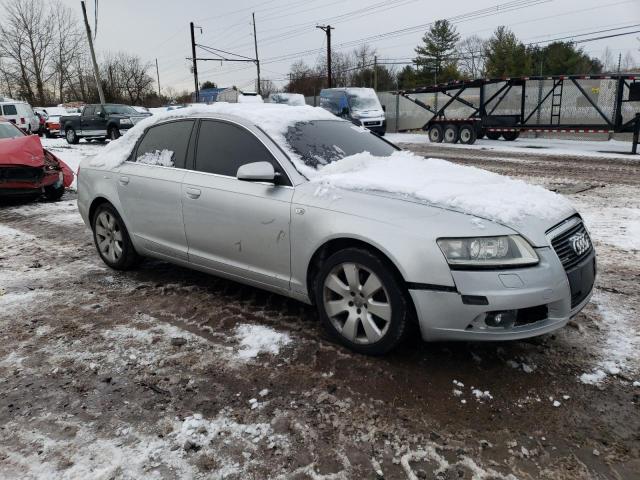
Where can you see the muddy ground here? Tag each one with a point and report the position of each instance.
(152, 373)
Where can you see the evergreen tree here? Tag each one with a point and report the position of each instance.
(506, 56)
(435, 57)
(563, 58)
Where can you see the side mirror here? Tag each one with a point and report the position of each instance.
(101, 114)
(257, 172)
(345, 112)
(384, 108)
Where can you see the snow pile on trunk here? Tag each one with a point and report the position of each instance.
(468, 189)
(274, 119)
(256, 339)
(163, 158)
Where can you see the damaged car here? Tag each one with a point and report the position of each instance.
(301, 203)
(28, 170)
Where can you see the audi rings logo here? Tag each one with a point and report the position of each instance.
(580, 243)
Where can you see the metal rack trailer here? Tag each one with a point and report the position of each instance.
(467, 110)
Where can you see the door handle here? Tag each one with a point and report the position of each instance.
(124, 180)
(193, 192)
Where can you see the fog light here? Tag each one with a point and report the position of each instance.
(504, 319)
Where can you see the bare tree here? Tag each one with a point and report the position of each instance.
(127, 78)
(471, 57)
(68, 41)
(607, 60)
(26, 40)
(628, 62)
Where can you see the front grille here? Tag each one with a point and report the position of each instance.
(563, 245)
(20, 174)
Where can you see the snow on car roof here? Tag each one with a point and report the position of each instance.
(274, 119)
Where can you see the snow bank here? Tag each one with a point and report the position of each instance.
(272, 118)
(469, 189)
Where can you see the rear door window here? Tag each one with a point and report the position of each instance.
(224, 147)
(9, 110)
(166, 145)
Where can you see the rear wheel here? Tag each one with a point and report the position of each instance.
(510, 136)
(361, 302)
(493, 135)
(71, 136)
(451, 134)
(467, 134)
(112, 238)
(435, 134)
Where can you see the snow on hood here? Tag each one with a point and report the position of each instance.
(467, 189)
(274, 119)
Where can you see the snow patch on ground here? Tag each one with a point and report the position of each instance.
(59, 213)
(7, 233)
(621, 349)
(615, 226)
(256, 339)
(468, 189)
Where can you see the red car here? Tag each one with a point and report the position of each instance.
(27, 169)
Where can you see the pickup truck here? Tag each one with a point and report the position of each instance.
(97, 122)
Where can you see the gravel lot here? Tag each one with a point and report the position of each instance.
(156, 373)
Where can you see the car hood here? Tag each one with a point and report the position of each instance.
(25, 150)
(433, 219)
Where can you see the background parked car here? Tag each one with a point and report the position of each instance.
(20, 114)
(296, 99)
(28, 170)
(52, 121)
(98, 122)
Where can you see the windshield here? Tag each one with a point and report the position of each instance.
(321, 142)
(120, 110)
(363, 101)
(8, 130)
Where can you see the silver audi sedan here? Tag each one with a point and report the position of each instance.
(225, 192)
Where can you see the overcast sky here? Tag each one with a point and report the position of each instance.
(160, 29)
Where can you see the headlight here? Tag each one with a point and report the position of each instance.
(512, 250)
(126, 121)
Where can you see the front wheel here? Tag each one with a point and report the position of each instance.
(71, 136)
(112, 239)
(53, 193)
(361, 302)
(435, 134)
(114, 133)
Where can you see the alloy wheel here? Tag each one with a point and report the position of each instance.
(357, 303)
(109, 236)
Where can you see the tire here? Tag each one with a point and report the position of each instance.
(52, 193)
(435, 134)
(467, 134)
(493, 135)
(451, 134)
(71, 136)
(347, 309)
(510, 136)
(111, 238)
(114, 133)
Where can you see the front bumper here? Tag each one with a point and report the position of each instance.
(542, 288)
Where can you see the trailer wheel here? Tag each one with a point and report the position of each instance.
(493, 135)
(467, 134)
(451, 134)
(435, 134)
(510, 136)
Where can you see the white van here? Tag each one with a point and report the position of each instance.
(360, 105)
(20, 114)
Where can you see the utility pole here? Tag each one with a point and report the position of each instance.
(375, 73)
(195, 63)
(96, 72)
(327, 29)
(158, 75)
(255, 41)
(619, 61)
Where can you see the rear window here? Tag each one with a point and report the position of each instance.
(9, 110)
(166, 144)
(7, 130)
(321, 142)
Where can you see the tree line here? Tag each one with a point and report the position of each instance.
(44, 60)
(443, 56)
